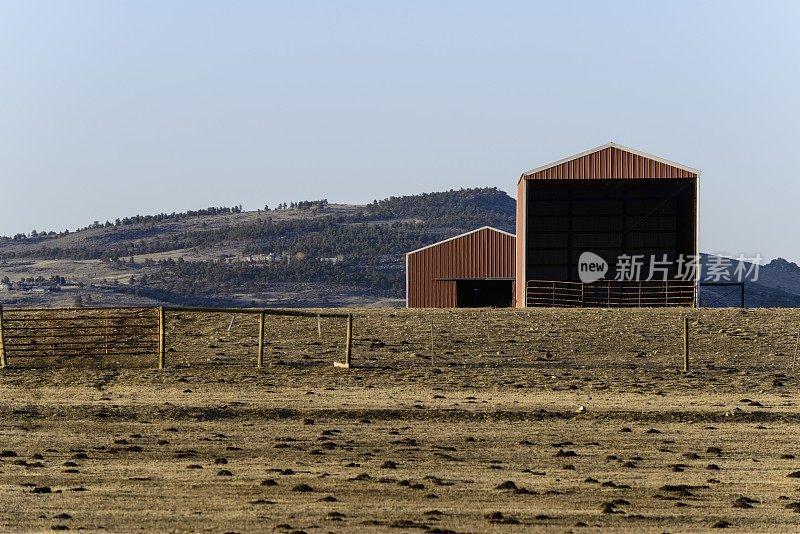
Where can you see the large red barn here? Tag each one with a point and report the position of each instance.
(613, 202)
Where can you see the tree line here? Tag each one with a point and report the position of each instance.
(371, 243)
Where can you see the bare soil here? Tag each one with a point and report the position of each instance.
(451, 421)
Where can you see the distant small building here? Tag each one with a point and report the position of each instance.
(471, 270)
(333, 260)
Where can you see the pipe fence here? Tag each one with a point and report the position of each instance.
(607, 294)
(127, 333)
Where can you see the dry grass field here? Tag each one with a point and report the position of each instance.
(451, 421)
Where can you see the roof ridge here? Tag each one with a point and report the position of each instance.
(486, 227)
(610, 144)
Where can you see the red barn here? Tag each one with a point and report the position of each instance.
(611, 202)
(475, 269)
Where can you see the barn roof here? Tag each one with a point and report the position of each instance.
(611, 161)
(459, 236)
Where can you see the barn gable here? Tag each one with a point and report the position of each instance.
(438, 275)
(611, 161)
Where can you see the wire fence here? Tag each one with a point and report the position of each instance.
(649, 339)
(642, 340)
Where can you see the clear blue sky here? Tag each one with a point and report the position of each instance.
(112, 108)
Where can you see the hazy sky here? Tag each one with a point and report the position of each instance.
(114, 108)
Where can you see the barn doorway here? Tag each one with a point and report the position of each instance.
(484, 293)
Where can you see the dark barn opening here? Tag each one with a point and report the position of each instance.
(609, 218)
(484, 293)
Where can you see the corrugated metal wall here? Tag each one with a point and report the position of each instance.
(486, 253)
(519, 285)
(611, 163)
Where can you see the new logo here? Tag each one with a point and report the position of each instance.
(591, 267)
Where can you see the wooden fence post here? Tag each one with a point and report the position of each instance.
(685, 344)
(106, 333)
(52, 332)
(2, 341)
(161, 339)
(348, 351)
(348, 343)
(261, 320)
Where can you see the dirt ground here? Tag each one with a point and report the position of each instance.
(450, 421)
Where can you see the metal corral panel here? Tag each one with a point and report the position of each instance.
(486, 253)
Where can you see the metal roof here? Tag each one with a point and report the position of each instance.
(460, 236)
(604, 147)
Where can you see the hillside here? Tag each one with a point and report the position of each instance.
(777, 285)
(304, 253)
(308, 253)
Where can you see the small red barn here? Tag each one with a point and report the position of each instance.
(475, 269)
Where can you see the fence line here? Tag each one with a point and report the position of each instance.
(553, 340)
(2, 341)
(566, 340)
(123, 331)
